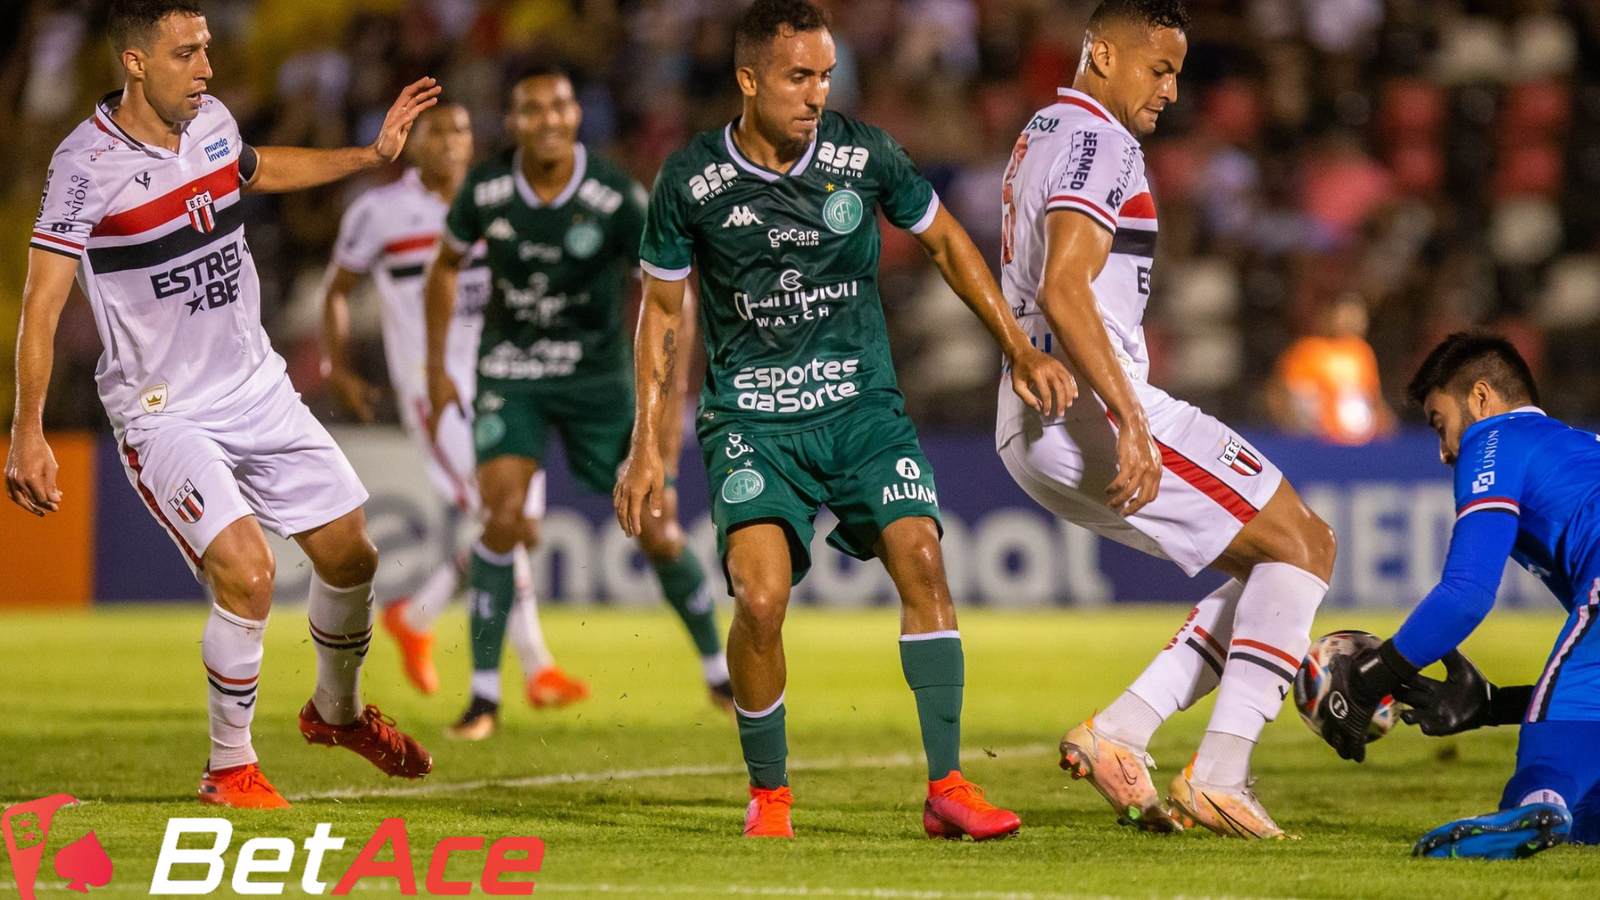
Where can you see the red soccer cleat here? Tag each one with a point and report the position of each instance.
(240, 787)
(553, 689)
(956, 807)
(373, 737)
(768, 813)
(416, 648)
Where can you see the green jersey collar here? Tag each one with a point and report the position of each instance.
(760, 171)
(579, 165)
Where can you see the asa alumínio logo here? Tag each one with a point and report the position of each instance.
(842, 212)
(743, 485)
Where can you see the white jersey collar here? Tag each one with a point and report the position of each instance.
(579, 166)
(760, 171)
(102, 118)
(1079, 98)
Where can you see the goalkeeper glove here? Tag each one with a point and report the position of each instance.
(1358, 684)
(1463, 701)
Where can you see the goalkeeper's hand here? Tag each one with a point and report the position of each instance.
(1357, 685)
(1463, 701)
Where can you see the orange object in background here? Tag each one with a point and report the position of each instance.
(1333, 383)
(49, 562)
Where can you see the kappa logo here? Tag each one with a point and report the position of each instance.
(202, 212)
(740, 217)
(188, 503)
(1483, 482)
(500, 230)
(83, 862)
(1239, 458)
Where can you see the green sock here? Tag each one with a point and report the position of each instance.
(492, 588)
(766, 748)
(684, 584)
(936, 672)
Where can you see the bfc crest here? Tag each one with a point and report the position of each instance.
(188, 503)
(202, 212)
(1238, 457)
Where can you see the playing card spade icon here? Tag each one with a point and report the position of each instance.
(84, 863)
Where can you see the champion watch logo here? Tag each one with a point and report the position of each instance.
(202, 212)
(740, 217)
(83, 862)
(188, 503)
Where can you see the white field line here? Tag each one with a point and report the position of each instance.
(457, 787)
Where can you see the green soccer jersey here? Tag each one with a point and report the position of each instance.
(559, 271)
(788, 269)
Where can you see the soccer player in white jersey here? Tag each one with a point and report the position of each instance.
(390, 233)
(142, 206)
(1135, 465)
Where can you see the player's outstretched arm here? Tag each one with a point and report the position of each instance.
(30, 465)
(352, 390)
(280, 169)
(1076, 249)
(1038, 378)
(656, 349)
(438, 307)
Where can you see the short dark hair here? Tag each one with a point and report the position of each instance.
(130, 22)
(541, 68)
(1468, 357)
(767, 19)
(1149, 13)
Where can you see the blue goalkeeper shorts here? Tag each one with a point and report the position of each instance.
(1561, 757)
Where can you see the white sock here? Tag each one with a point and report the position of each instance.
(486, 684)
(341, 627)
(1128, 720)
(1544, 796)
(1223, 760)
(522, 626)
(715, 668)
(429, 601)
(1191, 664)
(1271, 633)
(231, 650)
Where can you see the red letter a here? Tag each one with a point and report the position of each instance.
(367, 866)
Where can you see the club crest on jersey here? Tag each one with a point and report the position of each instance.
(202, 212)
(584, 240)
(1239, 458)
(188, 503)
(842, 212)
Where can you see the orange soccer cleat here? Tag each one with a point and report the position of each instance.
(768, 813)
(416, 647)
(956, 807)
(553, 689)
(239, 787)
(373, 737)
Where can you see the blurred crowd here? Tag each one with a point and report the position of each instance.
(1341, 183)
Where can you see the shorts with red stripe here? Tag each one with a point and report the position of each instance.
(1212, 480)
(275, 462)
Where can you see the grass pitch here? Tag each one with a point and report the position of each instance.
(640, 790)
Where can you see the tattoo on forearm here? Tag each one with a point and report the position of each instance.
(669, 360)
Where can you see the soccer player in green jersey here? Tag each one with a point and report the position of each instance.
(800, 408)
(562, 229)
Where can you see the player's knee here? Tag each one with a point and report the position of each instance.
(244, 587)
(504, 527)
(355, 563)
(761, 608)
(662, 544)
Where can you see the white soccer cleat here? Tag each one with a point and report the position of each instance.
(1121, 775)
(1228, 811)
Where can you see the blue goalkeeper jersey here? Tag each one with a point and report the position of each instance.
(1528, 488)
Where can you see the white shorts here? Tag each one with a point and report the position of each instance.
(275, 462)
(1212, 480)
(450, 458)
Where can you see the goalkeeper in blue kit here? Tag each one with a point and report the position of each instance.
(1527, 487)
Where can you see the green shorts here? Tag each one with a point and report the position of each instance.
(594, 423)
(866, 467)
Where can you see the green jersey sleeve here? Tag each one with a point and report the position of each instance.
(628, 224)
(907, 199)
(666, 250)
(462, 225)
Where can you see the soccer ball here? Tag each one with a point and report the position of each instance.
(1311, 682)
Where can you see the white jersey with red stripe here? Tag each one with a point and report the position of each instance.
(1074, 156)
(162, 258)
(391, 232)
